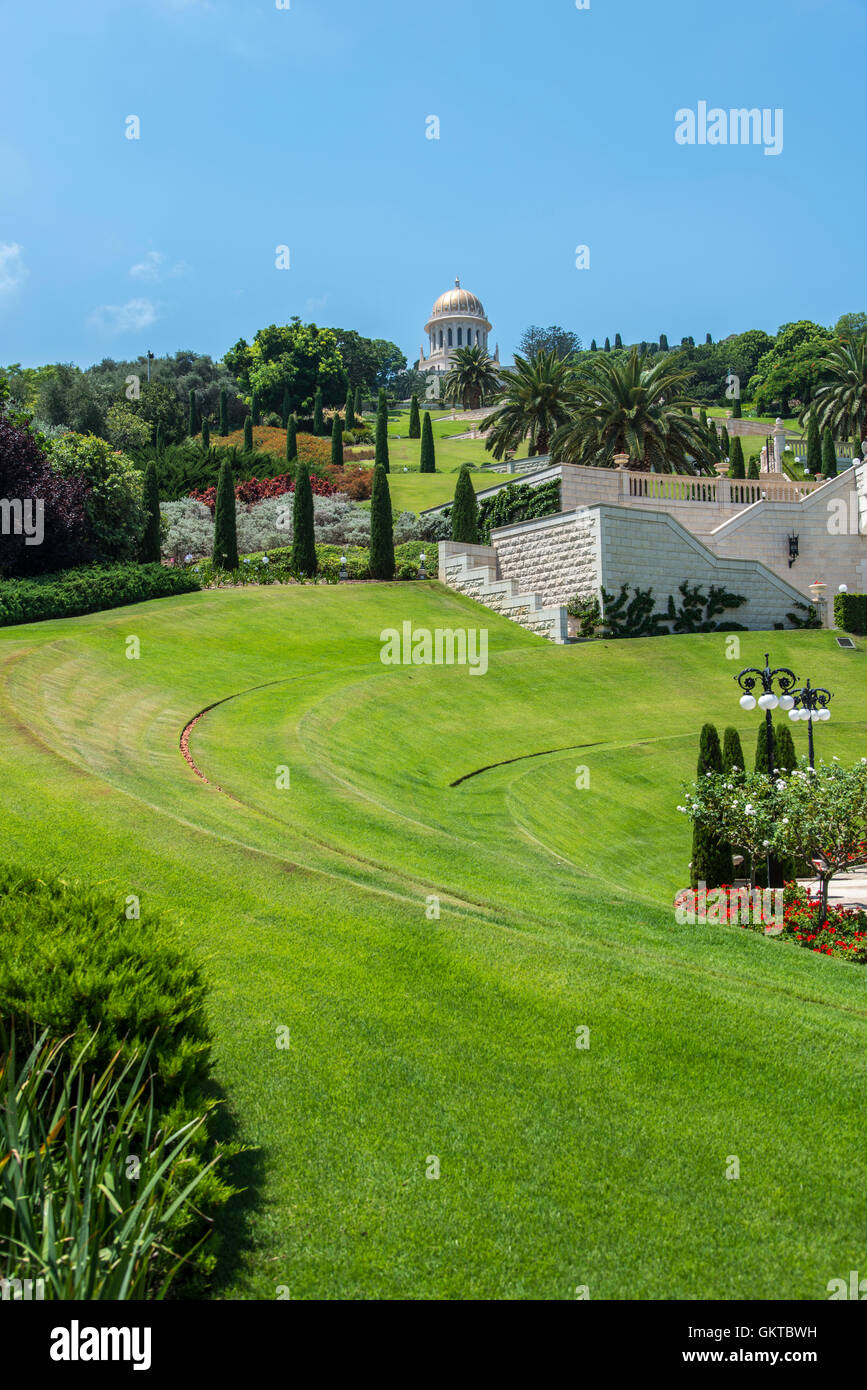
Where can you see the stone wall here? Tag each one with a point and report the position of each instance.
(555, 556)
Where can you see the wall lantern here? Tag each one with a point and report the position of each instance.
(793, 550)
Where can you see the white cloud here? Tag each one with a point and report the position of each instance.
(151, 267)
(131, 317)
(13, 271)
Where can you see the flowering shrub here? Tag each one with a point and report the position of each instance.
(839, 931)
(255, 490)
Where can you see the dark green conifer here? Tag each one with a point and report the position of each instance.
(225, 527)
(381, 527)
(465, 510)
(303, 537)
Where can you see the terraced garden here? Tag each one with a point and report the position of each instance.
(432, 948)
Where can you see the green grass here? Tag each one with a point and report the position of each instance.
(455, 1037)
(412, 492)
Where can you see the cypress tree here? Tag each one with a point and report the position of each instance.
(158, 437)
(349, 410)
(358, 403)
(713, 440)
(607, 347)
(785, 756)
(337, 442)
(736, 408)
(779, 868)
(702, 418)
(414, 420)
(753, 469)
(465, 510)
(224, 413)
(150, 548)
(711, 857)
(381, 454)
(663, 342)
(248, 434)
(318, 424)
(254, 408)
(732, 752)
(427, 457)
(724, 443)
(291, 440)
(593, 347)
(618, 341)
(761, 763)
(206, 436)
(736, 457)
(225, 528)
(708, 339)
(829, 454)
(381, 527)
(814, 446)
(303, 538)
(193, 416)
(285, 408)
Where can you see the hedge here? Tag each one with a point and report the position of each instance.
(850, 612)
(88, 590)
(73, 964)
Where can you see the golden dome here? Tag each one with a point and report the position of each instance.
(458, 301)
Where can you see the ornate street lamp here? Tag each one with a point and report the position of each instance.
(422, 574)
(769, 700)
(343, 567)
(811, 704)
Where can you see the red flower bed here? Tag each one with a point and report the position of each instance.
(257, 489)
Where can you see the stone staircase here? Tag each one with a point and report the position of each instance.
(474, 573)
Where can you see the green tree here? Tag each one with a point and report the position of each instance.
(125, 430)
(248, 434)
(414, 420)
(663, 343)
(814, 445)
(254, 408)
(471, 379)
(291, 440)
(296, 355)
(593, 347)
(633, 405)
(829, 454)
(193, 415)
(318, 422)
(381, 527)
(336, 442)
(618, 342)
(732, 752)
(724, 443)
(561, 341)
(535, 401)
(359, 403)
(115, 503)
(150, 547)
(224, 413)
(753, 468)
(736, 408)
(303, 535)
(349, 409)
(285, 407)
(206, 436)
(736, 458)
(427, 457)
(842, 402)
(607, 347)
(711, 855)
(784, 753)
(465, 510)
(225, 523)
(381, 449)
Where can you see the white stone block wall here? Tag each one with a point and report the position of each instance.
(556, 557)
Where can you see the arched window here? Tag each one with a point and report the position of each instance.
(478, 340)
(450, 337)
(460, 337)
(441, 337)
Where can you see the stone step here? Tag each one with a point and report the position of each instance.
(480, 583)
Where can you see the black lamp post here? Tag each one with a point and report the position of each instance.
(786, 680)
(811, 704)
(422, 573)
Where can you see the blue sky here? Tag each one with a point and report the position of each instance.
(305, 127)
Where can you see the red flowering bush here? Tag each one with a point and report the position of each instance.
(840, 932)
(258, 489)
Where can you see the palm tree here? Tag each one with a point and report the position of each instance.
(841, 406)
(533, 403)
(634, 405)
(472, 379)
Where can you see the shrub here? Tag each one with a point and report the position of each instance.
(414, 421)
(753, 468)
(382, 560)
(736, 458)
(150, 549)
(303, 540)
(465, 510)
(225, 526)
(115, 504)
(850, 613)
(711, 857)
(427, 456)
(26, 477)
(517, 502)
(829, 454)
(90, 590)
(73, 966)
(381, 455)
(125, 430)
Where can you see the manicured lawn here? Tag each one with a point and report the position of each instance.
(411, 492)
(413, 1036)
